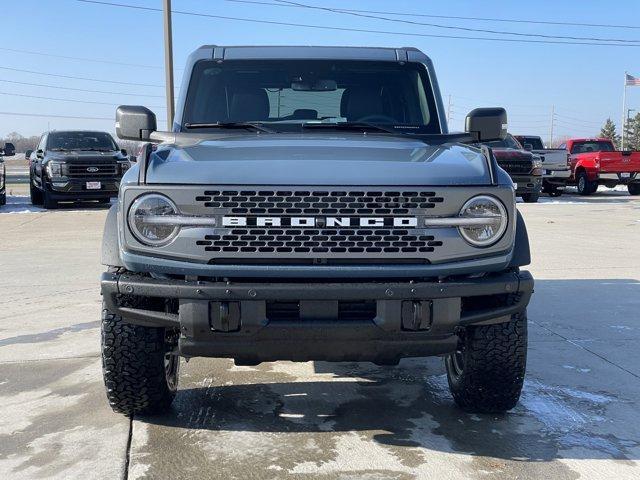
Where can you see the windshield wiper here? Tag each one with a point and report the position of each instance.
(232, 125)
(352, 126)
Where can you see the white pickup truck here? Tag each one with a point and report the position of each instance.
(555, 164)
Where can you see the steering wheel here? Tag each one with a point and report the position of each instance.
(377, 118)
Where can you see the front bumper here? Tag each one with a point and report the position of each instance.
(346, 321)
(527, 183)
(67, 188)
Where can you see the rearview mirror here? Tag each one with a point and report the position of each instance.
(134, 122)
(316, 86)
(9, 149)
(27, 154)
(487, 124)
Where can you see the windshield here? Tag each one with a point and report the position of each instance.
(99, 141)
(297, 91)
(508, 142)
(592, 146)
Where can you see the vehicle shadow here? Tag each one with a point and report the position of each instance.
(574, 403)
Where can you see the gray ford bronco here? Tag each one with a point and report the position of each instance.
(309, 203)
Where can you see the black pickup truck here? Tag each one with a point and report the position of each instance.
(524, 167)
(7, 151)
(75, 166)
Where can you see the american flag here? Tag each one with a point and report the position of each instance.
(630, 80)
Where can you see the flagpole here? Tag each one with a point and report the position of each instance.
(624, 108)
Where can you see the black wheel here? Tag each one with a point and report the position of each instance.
(530, 197)
(3, 199)
(35, 194)
(634, 188)
(47, 201)
(487, 371)
(554, 191)
(139, 364)
(586, 187)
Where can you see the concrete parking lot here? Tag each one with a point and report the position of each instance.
(578, 416)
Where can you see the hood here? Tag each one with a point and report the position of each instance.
(318, 159)
(512, 154)
(85, 155)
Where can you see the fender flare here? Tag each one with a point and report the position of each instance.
(521, 251)
(110, 246)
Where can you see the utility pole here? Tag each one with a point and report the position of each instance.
(449, 111)
(624, 108)
(553, 119)
(168, 62)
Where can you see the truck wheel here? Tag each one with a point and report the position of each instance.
(35, 194)
(554, 192)
(634, 188)
(585, 187)
(140, 370)
(47, 201)
(3, 199)
(530, 197)
(487, 372)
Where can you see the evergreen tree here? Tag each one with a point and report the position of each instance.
(609, 131)
(632, 133)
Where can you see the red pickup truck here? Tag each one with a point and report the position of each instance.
(595, 161)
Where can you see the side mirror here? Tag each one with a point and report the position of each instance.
(123, 152)
(9, 149)
(134, 122)
(528, 147)
(39, 153)
(27, 154)
(487, 124)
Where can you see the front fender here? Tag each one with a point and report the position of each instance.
(110, 245)
(590, 164)
(521, 250)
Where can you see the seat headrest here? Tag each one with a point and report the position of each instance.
(249, 105)
(357, 103)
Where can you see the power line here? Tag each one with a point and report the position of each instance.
(452, 27)
(359, 30)
(82, 59)
(66, 99)
(80, 78)
(73, 117)
(79, 89)
(484, 19)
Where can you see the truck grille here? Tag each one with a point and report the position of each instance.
(318, 202)
(512, 167)
(91, 170)
(291, 240)
(320, 241)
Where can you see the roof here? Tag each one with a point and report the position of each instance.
(222, 52)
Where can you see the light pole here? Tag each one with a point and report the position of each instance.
(168, 62)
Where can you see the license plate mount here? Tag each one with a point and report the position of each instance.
(94, 185)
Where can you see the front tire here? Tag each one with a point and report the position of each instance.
(35, 194)
(530, 197)
(48, 202)
(634, 188)
(139, 366)
(487, 371)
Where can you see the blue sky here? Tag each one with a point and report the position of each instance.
(584, 83)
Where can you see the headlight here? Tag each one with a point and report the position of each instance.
(54, 169)
(537, 163)
(487, 221)
(146, 219)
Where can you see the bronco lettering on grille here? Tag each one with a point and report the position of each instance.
(406, 222)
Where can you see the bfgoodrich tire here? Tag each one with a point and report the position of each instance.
(487, 372)
(140, 370)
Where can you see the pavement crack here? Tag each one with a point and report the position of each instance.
(573, 342)
(127, 459)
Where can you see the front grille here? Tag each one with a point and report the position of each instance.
(320, 239)
(291, 240)
(318, 202)
(523, 167)
(91, 170)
